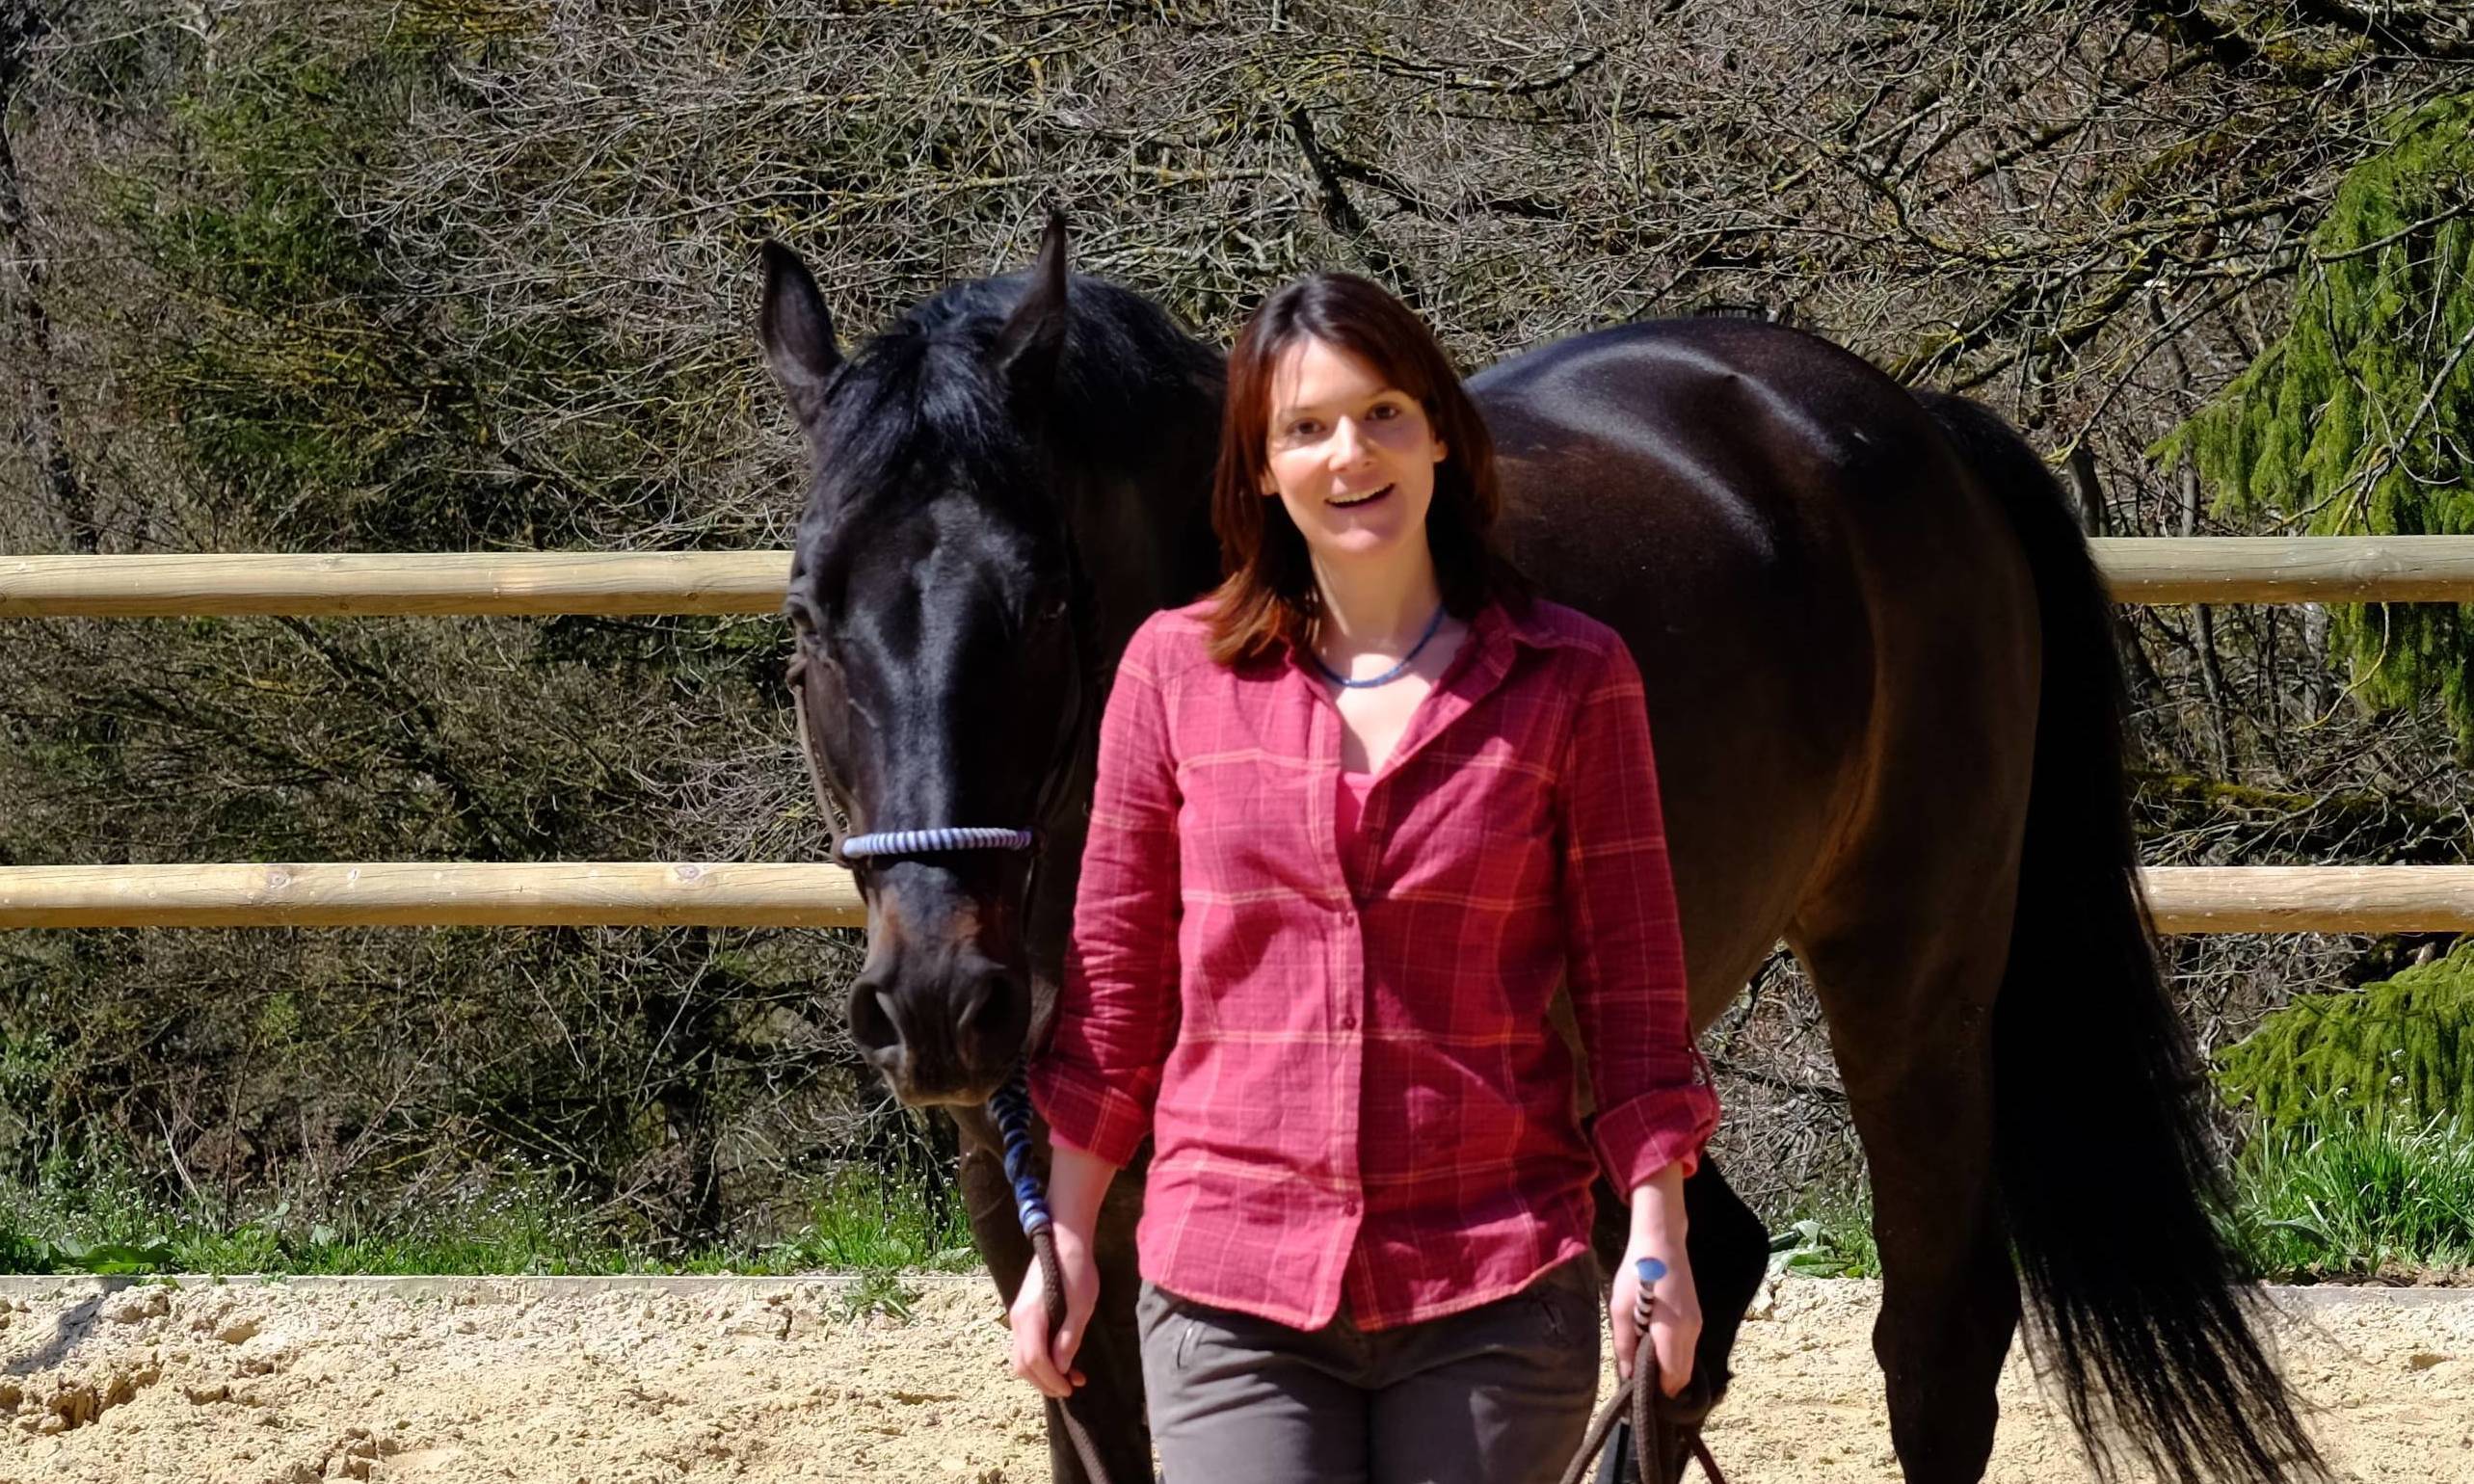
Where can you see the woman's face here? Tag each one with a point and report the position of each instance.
(1350, 456)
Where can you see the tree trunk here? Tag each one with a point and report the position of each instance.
(21, 293)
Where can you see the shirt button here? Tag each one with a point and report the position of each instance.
(1347, 917)
(1349, 1209)
(1348, 1022)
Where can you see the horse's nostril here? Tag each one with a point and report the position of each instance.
(997, 1018)
(871, 1019)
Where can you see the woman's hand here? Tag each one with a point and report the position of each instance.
(1077, 1181)
(1046, 1360)
(1674, 1319)
(1657, 1230)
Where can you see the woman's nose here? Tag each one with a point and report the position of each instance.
(1349, 443)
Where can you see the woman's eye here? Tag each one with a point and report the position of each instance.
(1304, 430)
(1384, 412)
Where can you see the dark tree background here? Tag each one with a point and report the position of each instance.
(474, 275)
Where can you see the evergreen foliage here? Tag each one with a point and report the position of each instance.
(2361, 421)
(2396, 1053)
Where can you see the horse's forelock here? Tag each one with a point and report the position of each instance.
(920, 414)
(916, 414)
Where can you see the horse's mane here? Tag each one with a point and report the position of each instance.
(924, 394)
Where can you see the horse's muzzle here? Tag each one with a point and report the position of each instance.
(945, 1032)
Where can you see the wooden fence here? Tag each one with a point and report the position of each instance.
(653, 893)
(2152, 570)
(2212, 899)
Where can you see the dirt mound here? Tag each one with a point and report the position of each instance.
(634, 1381)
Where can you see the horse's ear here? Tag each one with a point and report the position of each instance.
(1028, 346)
(797, 333)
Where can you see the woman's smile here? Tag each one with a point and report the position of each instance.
(1353, 501)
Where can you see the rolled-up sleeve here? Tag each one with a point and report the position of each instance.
(1116, 1015)
(1623, 938)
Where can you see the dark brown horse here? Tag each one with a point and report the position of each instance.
(1887, 712)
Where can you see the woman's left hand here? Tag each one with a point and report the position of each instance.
(1674, 1322)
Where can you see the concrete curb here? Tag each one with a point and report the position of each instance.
(514, 1287)
(509, 1288)
(2346, 1296)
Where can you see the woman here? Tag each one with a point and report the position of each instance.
(1359, 813)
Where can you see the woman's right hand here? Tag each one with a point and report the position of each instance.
(1043, 1360)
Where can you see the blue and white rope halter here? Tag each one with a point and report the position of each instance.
(915, 842)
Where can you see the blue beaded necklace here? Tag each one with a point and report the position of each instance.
(1396, 672)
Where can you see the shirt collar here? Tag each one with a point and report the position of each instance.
(1535, 628)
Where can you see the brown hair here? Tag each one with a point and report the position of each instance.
(1268, 597)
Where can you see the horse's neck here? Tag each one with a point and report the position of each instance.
(1141, 551)
(1142, 537)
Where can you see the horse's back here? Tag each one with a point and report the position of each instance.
(1755, 454)
(1781, 534)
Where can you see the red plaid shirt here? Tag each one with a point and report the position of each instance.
(1347, 1066)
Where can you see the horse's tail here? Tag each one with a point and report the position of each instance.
(2108, 1176)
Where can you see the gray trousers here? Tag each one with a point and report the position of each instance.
(1500, 1393)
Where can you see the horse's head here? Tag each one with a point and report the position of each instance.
(942, 665)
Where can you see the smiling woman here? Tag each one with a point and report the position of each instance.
(1359, 815)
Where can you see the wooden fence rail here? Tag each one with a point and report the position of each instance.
(630, 893)
(541, 583)
(423, 893)
(2212, 570)
(2139, 569)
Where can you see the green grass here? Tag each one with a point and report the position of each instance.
(2352, 1204)
(71, 1221)
(865, 1223)
(2355, 1203)
(1829, 1236)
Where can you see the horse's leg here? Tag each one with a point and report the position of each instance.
(1730, 1252)
(1908, 993)
(1111, 1398)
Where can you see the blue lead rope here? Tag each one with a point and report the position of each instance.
(1012, 1105)
(1628, 1436)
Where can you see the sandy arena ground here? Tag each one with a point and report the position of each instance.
(457, 1380)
